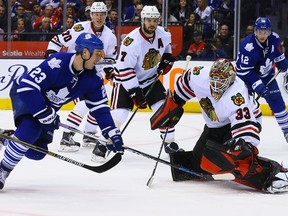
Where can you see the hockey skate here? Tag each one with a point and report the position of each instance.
(89, 141)
(3, 175)
(100, 152)
(3, 141)
(171, 147)
(68, 144)
(279, 184)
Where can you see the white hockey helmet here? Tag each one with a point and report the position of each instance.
(149, 11)
(98, 7)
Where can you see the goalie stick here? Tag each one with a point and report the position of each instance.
(150, 180)
(226, 176)
(98, 169)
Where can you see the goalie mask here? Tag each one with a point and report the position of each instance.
(222, 75)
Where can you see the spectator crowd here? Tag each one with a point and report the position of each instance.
(207, 24)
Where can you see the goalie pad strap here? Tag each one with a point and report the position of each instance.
(168, 114)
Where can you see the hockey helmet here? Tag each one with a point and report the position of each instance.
(263, 23)
(98, 7)
(221, 77)
(89, 41)
(150, 12)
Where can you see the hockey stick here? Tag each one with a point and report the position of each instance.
(135, 111)
(270, 81)
(98, 169)
(226, 176)
(149, 182)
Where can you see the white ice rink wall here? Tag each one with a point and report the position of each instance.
(11, 68)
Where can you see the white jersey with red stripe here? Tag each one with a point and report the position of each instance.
(139, 57)
(236, 106)
(68, 38)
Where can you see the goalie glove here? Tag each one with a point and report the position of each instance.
(166, 63)
(168, 114)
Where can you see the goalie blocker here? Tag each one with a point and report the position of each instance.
(168, 114)
(239, 158)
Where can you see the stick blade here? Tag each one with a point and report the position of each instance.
(224, 176)
(150, 181)
(106, 166)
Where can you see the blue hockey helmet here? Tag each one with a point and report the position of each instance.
(89, 41)
(263, 23)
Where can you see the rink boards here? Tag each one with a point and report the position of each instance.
(12, 68)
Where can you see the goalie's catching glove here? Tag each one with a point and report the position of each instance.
(166, 63)
(168, 114)
(138, 98)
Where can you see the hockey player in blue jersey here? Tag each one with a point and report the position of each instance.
(38, 95)
(254, 66)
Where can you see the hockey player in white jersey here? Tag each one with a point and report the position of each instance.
(231, 133)
(67, 39)
(145, 53)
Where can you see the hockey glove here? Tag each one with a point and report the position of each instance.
(49, 119)
(281, 63)
(166, 64)
(109, 73)
(48, 53)
(138, 98)
(261, 90)
(115, 136)
(285, 83)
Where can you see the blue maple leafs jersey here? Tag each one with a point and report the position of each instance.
(257, 58)
(53, 83)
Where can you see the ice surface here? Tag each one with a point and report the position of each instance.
(52, 187)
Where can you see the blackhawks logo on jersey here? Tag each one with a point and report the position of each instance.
(196, 70)
(238, 99)
(127, 41)
(151, 59)
(78, 28)
(208, 108)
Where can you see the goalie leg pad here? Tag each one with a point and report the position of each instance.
(185, 159)
(238, 157)
(168, 114)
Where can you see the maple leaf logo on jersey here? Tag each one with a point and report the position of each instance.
(208, 108)
(267, 67)
(238, 99)
(249, 47)
(196, 70)
(78, 28)
(54, 63)
(151, 59)
(127, 41)
(58, 98)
